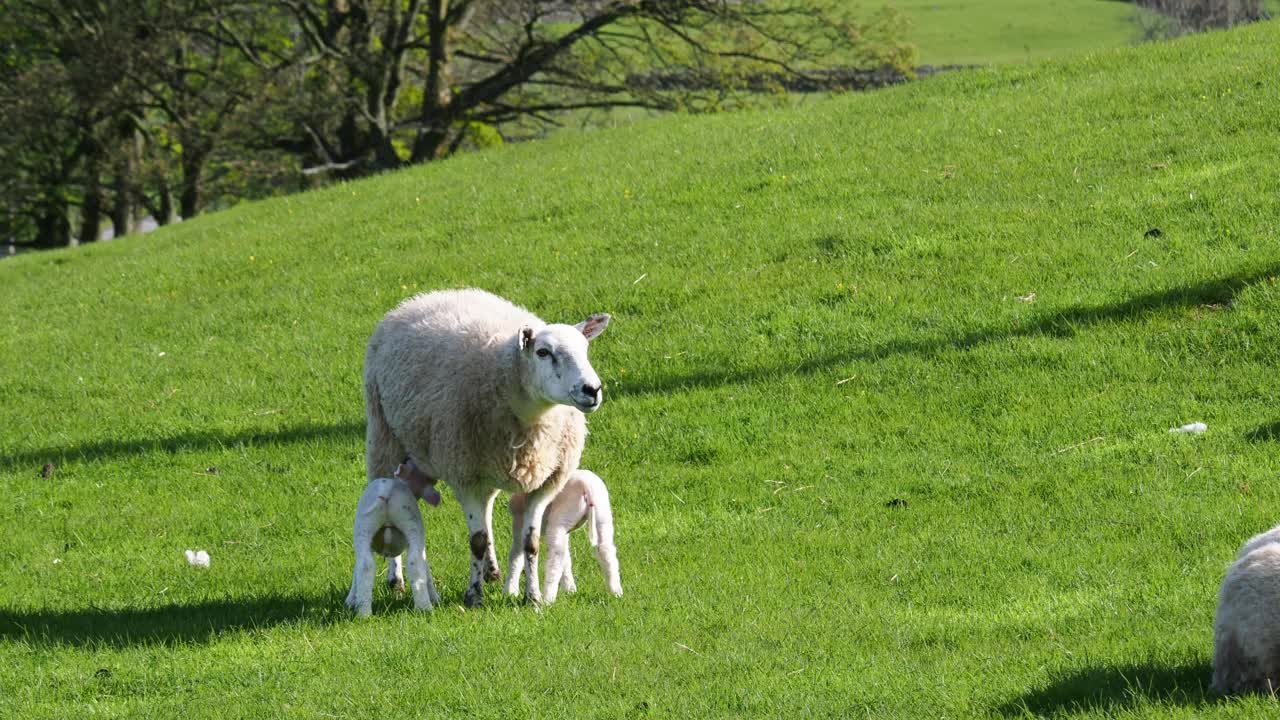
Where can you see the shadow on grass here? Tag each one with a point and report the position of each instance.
(200, 622)
(1113, 689)
(186, 442)
(1264, 433)
(1063, 324)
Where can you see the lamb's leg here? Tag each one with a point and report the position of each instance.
(535, 506)
(567, 583)
(360, 598)
(515, 558)
(607, 555)
(424, 587)
(491, 572)
(557, 562)
(474, 502)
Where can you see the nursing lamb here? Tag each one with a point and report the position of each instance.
(387, 522)
(584, 500)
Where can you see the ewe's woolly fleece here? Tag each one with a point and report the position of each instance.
(442, 372)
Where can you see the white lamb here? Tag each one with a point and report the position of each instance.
(486, 396)
(1246, 631)
(583, 500)
(388, 521)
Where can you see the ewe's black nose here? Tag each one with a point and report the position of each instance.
(591, 391)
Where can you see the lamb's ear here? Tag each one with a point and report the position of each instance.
(524, 340)
(593, 325)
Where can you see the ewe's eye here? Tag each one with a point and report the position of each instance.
(543, 352)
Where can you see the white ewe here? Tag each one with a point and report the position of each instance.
(388, 521)
(1246, 631)
(583, 500)
(486, 396)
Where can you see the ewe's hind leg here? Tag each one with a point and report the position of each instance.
(395, 573)
(475, 502)
(515, 558)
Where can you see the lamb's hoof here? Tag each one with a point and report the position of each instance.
(492, 574)
(473, 597)
(397, 585)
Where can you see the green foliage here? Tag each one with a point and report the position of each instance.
(944, 293)
(483, 135)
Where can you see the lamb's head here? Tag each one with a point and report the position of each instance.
(556, 364)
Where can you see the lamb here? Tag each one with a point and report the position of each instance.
(1246, 636)
(583, 500)
(388, 521)
(486, 396)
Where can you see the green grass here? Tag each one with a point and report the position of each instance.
(816, 313)
(977, 32)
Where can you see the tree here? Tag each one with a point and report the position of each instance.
(490, 63)
(113, 107)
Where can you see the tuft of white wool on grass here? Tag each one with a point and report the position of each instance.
(197, 558)
(388, 522)
(1195, 428)
(486, 396)
(584, 500)
(1246, 629)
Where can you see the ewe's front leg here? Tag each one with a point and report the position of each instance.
(515, 557)
(535, 506)
(475, 502)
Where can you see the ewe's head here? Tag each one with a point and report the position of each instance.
(556, 359)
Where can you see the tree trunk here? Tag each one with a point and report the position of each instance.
(53, 229)
(167, 212)
(91, 210)
(436, 97)
(124, 207)
(191, 198)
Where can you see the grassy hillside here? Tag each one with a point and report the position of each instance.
(987, 295)
(975, 32)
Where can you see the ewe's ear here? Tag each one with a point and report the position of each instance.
(524, 340)
(593, 325)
